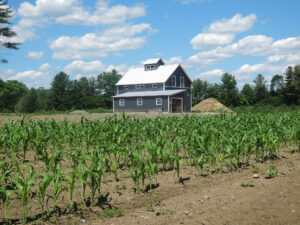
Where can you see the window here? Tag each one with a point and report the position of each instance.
(139, 101)
(139, 86)
(158, 101)
(150, 67)
(142, 86)
(174, 81)
(154, 85)
(121, 102)
(126, 88)
(181, 81)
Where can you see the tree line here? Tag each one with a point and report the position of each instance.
(96, 92)
(283, 90)
(64, 94)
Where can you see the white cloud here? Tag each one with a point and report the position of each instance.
(236, 24)
(54, 8)
(81, 67)
(72, 12)
(287, 45)
(287, 59)
(246, 70)
(121, 69)
(174, 60)
(42, 13)
(211, 40)
(33, 78)
(91, 45)
(35, 55)
(103, 15)
(29, 74)
(251, 45)
(222, 32)
(203, 59)
(45, 67)
(210, 74)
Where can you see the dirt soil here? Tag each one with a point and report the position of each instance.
(215, 199)
(210, 104)
(93, 116)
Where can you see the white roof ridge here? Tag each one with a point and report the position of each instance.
(140, 76)
(151, 61)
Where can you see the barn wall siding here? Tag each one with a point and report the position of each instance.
(178, 73)
(132, 88)
(149, 103)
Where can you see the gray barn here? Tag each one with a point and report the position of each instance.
(156, 87)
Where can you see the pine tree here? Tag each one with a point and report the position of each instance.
(5, 31)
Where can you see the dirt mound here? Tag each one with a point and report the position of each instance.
(209, 105)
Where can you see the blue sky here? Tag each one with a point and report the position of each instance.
(207, 37)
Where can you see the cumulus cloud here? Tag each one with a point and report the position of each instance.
(222, 32)
(30, 74)
(103, 14)
(35, 55)
(33, 78)
(81, 67)
(211, 40)
(210, 74)
(246, 71)
(206, 58)
(42, 13)
(236, 24)
(72, 12)
(45, 67)
(251, 45)
(174, 60)
(121, 69)
(90, 45)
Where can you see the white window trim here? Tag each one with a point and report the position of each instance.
(139, 101)
(137, 86)
(157, 101)
(121, 102)
(181, 81)
(174, 77)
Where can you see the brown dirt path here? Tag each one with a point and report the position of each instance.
(219, 199)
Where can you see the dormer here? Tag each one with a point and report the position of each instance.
(153, 64)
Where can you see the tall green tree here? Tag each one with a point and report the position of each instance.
(11, 92)
(260, 88)
(31, 101)
(229, 95)
(5, 31)
(107, 86)
(276, 85)
(248, 94)
(199, 91)
(59, 97)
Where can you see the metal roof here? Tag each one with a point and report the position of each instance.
(151, 61)
(140, 76)
(149, 93)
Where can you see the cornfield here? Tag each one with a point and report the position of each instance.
(49, 161)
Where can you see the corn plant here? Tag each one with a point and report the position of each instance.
(24, 184)
(42, 188)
